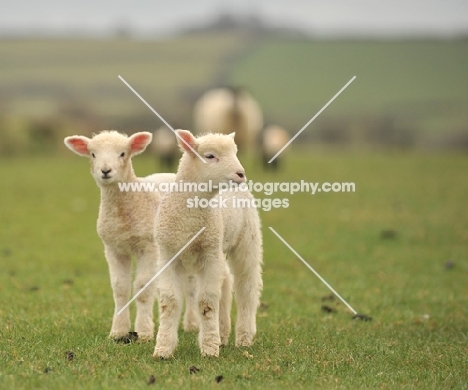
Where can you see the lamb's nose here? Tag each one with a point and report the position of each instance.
(106, 172)
(240, 174)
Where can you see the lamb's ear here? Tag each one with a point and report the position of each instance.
(77, 144)
(187, 141)
(232, 135)
(139, 142)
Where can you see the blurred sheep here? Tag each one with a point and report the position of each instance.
(274, 137)
(164, 146)
(229, 110)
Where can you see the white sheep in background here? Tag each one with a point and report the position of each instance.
(164, 145)
(232, 233)
(228, 110)
(274, 137)
(125, 223)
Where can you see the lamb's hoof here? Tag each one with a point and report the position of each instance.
(244, 340)
(162, 353)
(212, 350)
(117, 335)
(145, 337)
(130, 337)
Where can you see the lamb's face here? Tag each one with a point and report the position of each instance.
(222, 164)
(109, 155)
(219, 154)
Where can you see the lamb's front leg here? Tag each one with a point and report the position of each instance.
(170, 308)
(121, 281)
(208, 297)
(146, 269)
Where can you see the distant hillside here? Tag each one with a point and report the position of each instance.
(253, 25)
(412, 93)
(52, 88)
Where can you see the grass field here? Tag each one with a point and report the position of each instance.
(55, 293)
(419, 86)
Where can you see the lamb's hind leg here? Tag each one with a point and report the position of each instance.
(225, 307)
(120, 269)
(208, 297)
(146, 269)
(191, 315)
(245, 263)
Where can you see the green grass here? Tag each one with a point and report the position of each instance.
(422, 83)
(55, 294)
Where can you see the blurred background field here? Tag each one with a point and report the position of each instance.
(396, 249)
(408, 93)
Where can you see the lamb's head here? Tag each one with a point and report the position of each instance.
(219, 152)
(110, 154)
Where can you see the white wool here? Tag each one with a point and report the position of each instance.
(125, 223)
(225, 111)
(201, 271)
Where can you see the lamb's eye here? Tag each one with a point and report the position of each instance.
(122, 154)
(209, 156)
(94, 156)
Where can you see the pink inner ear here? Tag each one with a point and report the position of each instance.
(140, 142)
(79, 145)
(188, 139)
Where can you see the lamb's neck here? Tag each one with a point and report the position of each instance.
(111, 195)
(203, 190)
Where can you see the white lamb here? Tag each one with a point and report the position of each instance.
(228, 110)
(232, 232)
(125, 223)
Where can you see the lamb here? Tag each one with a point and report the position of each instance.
(164, 146)
(125, 223)
(274, 138)
(230, 232)
(227, 110)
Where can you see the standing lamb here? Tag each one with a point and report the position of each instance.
(274, 137)
(125, 223)
(228, 110)
(230, 231)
